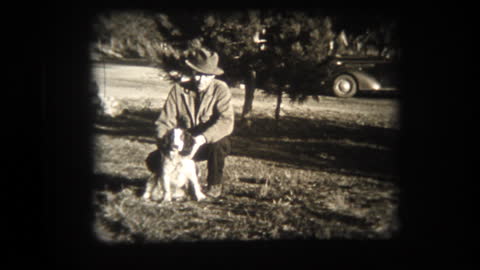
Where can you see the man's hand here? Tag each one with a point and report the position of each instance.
(199, 141)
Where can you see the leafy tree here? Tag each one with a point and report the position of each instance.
(296, 44)
(232, 36)
(373, 33)
(135, 33)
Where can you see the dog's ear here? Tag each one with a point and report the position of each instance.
(188, 143)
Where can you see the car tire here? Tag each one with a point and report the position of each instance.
(344, 86)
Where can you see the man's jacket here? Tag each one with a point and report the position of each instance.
(214, 121)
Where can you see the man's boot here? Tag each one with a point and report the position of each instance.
(214, 191)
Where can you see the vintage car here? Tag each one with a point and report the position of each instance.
(344, 77)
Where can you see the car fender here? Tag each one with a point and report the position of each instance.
(365, 81)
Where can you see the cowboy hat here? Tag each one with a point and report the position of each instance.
(205, 62)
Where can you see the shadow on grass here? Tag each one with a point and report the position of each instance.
(294, 142)
(138, 123)
(115, 184)
(379, 94)
(320, 144)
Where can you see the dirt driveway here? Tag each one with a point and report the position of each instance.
(141, 83)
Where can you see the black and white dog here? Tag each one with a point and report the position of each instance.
(177, 171)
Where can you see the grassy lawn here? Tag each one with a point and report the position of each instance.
(323, 172)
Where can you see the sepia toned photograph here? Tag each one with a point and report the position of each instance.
(245, 125)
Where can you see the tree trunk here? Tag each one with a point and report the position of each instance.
(249, 94)
(279, 105)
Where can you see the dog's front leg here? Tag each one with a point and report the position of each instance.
(192, 177)
(167, 193)
(198, 192)
(150, 185)
(157, 190)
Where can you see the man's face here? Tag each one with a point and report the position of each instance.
(202, 81)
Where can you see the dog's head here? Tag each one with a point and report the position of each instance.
(178, 140)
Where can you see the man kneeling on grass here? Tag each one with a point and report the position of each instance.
(203, 107)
